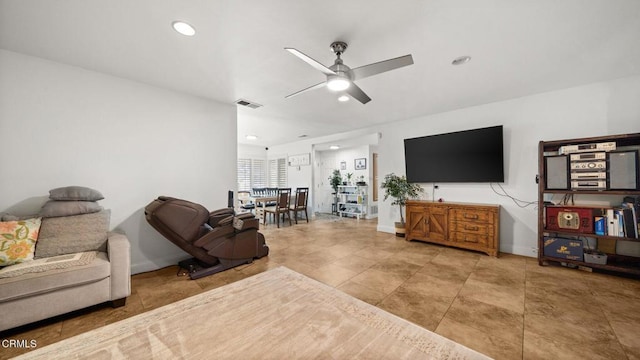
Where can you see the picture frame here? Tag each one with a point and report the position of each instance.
(360, 164)
(298, 160)
(343, 165)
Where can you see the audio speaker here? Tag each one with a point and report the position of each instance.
(230, 199)
(623, 170)
(556, 170)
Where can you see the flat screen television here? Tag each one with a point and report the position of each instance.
(471, 156)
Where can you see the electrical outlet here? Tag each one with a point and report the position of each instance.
(534, 250)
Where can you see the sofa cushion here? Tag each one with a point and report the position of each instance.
(11, 217)
(39, 283)
(75, 193)
(54, 208)
(18, 240)
(49, 263)
(73, 234)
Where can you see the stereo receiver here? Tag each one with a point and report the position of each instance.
(588, 156)
(589, 185)
(589, 175)
(603, 146)
(589, 165)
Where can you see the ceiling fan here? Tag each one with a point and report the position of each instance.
(340, 77)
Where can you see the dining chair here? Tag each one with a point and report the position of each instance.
(259, 192)
(271, 191)
(281, 207)
(300, 203)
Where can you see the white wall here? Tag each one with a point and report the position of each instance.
(592, 110)
(62, 125)
(252, 151)
(348, 156)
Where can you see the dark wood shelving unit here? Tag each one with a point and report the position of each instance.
(592, 192)
(616, 263)
(569, 233)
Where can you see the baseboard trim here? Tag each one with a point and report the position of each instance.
(156, 264)
(386, 229)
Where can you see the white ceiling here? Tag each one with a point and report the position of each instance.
(518, 47)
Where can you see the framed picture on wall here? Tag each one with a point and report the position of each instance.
(343, 165)
(360, 164)
(301, 159)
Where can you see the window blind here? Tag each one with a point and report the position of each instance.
(251, 174)
(278, 172)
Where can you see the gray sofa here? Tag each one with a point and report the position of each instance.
(36, 296)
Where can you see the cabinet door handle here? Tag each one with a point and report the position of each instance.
(472, 228)
(467, 216)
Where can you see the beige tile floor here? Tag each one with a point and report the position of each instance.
(507, 307)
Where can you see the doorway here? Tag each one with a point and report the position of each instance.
(374, 168)
(324, 193)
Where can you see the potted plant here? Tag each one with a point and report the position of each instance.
(334, 180)
(401, 190)
(349, 175)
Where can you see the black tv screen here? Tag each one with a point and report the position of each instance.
(464, 156)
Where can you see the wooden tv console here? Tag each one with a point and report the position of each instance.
(462, 225)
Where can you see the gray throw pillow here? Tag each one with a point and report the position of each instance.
(80, 193)
(53, 208)
(73, 234)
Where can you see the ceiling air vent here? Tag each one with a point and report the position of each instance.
(247, 103)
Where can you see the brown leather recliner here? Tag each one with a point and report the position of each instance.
(217, 240)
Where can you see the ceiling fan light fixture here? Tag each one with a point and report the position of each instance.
(343, 98)
(337, 83)
(183, 28)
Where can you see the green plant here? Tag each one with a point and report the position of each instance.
(335, 179)
(401, 190)
(349, 175)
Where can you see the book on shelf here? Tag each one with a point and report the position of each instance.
(630, 217)
(600, 225)
(612, 223)
(617, 222)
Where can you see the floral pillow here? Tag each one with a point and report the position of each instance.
(18, 240)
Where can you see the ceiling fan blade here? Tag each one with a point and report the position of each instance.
(325, 70)
(380, 67)
(312, 87)
(357, 93)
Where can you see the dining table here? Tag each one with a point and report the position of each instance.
(263, 200)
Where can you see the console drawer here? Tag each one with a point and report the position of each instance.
(475, 215)
(464, 237)
(473, 228)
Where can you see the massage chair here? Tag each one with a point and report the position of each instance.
(217, 240)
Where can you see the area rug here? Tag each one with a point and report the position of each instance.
(278, 314)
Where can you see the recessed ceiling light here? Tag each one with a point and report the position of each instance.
(251, 137)
(343, 98)
(461, 60)
(334, 147)
(183, 28)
